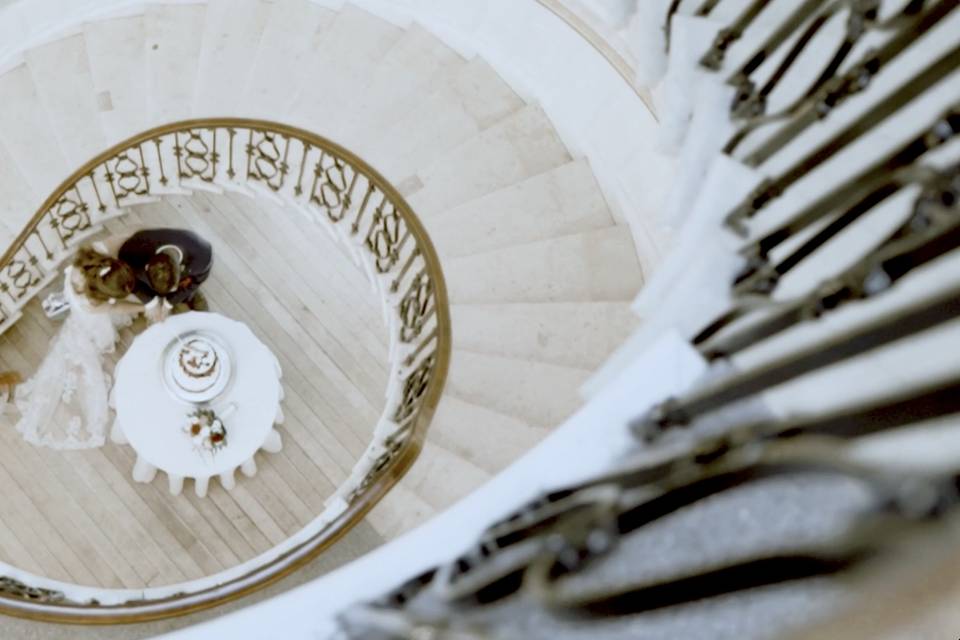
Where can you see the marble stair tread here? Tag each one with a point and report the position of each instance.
(520, 146)
(597, 265)
(19, 200)
(558, 202)
(64, 84)
(398, 512)
(416, 64)
(481, 436)
(570, 334)
(440, 477)
(231, 35)
(290, 40)
(473, 100)
(117, 53)
(539, 394)
(354, 44)
(173, 37)
(26, 134)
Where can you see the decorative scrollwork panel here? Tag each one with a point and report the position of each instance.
(416, 307)
(386, 236)
(69, 217)
(128, 175)
(14, 588)
(414, 387)
(267, 153)
(197, 154)
(333, 186)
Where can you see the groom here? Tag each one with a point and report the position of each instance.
(169, 264)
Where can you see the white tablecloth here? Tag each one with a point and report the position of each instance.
(151, 419)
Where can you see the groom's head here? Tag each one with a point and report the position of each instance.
(163, 273)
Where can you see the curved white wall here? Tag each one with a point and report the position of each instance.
(598, 114)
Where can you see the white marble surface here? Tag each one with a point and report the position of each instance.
(473, 100)
(522, 145)
(288, 44)
(28, 138)
(117, 51)
(404, 511)
(353, 45)
(567, 201)
(61, 74)
(414, 67)
(537, 393)
(231, 35)
(597, 265)
(487, 438)
(18, 200)
(572, 334)
(460, 476)
(173, 35)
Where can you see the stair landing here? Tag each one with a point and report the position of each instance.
(78, 516)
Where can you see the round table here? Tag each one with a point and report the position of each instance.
(151, 419)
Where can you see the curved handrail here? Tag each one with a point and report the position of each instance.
(615, 54)
(328, 183)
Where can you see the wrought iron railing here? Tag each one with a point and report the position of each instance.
(330, 185)
(569, 558)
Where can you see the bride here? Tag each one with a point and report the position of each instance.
(65, 404)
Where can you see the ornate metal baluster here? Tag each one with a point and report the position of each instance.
(127, 176)
(386, 236)
(267, 158)
(355, 227)
(414, 386)
(416, 307)
(20, 276)
(231, 173)
(424, 343)
(331, 190)
(101, 207)
(163, 175)
(196, 157)
(395, 285)
(298, 189)
(69, 216)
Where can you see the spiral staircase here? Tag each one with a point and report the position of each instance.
(111, 127)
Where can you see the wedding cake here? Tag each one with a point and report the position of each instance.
(197, 367)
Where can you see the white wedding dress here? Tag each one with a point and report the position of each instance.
(65, 404)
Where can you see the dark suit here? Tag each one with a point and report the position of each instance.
(197, 260)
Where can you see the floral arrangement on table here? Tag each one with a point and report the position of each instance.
(206, 429)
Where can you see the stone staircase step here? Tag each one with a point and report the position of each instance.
(290, 41)
(481, 436)
(117, 52)
(440, 477)
(25, 132)
(398, 512)
(61, 75)
(354, 44)
(18, 201)
(593, 266)
(522, 145)
(570, 334)
(474, 100)
(231, 34)
(173, 38)
(566, 200)
(418, 63)
(539, 394)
